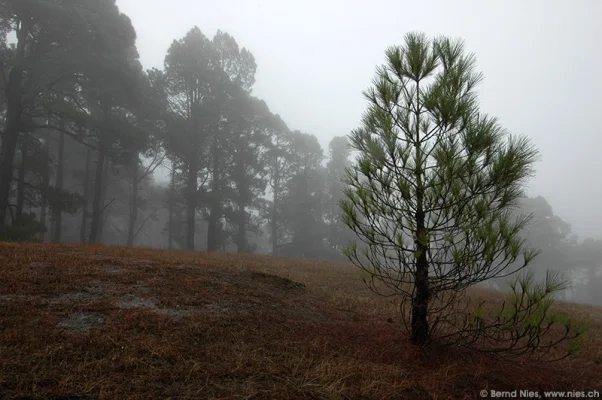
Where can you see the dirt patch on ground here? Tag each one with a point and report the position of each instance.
(92, 291)
(36, 265)
(81, 322)
(113, 269)
(10, 298)
(135, 302)
(131, 301)
(250, 279)
(185, 267)
(272, 280)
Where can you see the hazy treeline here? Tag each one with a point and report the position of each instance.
(85, 129)
(580, 261)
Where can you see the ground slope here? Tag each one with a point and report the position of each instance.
(79, 322)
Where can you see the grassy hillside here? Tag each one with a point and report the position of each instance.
(83, 322)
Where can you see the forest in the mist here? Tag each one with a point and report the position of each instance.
(85, 129)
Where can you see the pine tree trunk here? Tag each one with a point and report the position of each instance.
(213, 224)
(84, 223)
(419, 323)
(45, 184)
(275, 204)
(10, 139)
(172, 191)
(97, 197)
(21, 180)
(105, 209)
(14, 110)
(241, 234)
(212, 231)
(215, 206)
(51, 228)
(243, 195)
(58, 213)
(133, 203)
(191, 205)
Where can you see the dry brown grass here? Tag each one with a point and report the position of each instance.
(119, 323)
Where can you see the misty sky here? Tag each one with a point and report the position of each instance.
(542, 62)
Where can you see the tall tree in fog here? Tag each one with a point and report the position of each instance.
(246, 168)
(32, 169)
(279, 163)
(113, 98)
(551, 235)
(191, 86)
(303, 207)
(148, 132)
(170, 142)
(251, 167)
(233, 141)
(436, 183)
(338, 234)
(587, 259)
(64, 155)
(202, 78)
(548, 233)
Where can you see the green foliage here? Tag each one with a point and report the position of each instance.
(525, 321)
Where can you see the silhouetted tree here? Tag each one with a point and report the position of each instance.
(279, 166)
(190, 85)
(587, 259)
(338, 233)
(303, 206)
(550, 235)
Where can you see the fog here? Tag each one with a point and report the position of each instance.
(542, 62)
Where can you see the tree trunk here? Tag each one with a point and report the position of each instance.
(213, 229)
(97, 197)
(592, 285)
(21, 180)
(58, 213)
(241, 234)
(213, 224)
(419, 323)
(84, 224)
(51, 228)
(241, 215)
(191, 205)
(305, 237)
(45, 184)
(105, 209)
(172, 191)
(14, 110)
(274, 219)
(133, 203)
(10, 139)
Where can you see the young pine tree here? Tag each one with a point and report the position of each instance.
(433, 196)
